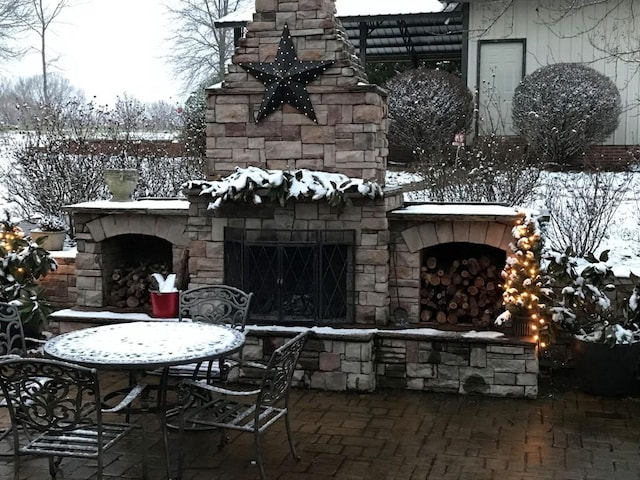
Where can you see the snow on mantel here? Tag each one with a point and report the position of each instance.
(164, 206)
(440, 211)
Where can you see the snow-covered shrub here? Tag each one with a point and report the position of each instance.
(60, 160)
(491, 169)
(44, 172)
(563, 108)
(426, 108)
(582, 207)
(588, 303)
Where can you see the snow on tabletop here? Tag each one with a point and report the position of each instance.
(105, 315)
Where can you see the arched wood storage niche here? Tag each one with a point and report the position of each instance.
(114, 234)
(460, 284)
(431, 241)
(127, 262)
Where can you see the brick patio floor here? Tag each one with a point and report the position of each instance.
(563, 435)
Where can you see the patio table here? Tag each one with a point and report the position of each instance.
(141, 346)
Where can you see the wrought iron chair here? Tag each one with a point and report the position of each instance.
(221, 304)
(234, 410)
(61, 417)
(12, 343)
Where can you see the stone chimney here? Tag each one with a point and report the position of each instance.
(350, 134)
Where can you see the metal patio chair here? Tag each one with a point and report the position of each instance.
(61, 417)
(12, 343)
(251, 411)
(220, 304)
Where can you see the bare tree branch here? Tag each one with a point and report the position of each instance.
(42, 16)
(14, 16)
(200, 50)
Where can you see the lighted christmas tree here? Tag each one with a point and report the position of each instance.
(523, 285)
(23, 263)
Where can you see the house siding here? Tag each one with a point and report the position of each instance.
(562, 42)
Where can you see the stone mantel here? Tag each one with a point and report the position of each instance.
(456, 212)
(135, 207)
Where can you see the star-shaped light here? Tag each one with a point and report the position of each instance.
(286, 79)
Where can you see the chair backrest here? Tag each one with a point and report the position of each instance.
(51, 395)
(216, 304)
(12, 340)
(278, 376)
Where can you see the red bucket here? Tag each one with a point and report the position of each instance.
(164, 305)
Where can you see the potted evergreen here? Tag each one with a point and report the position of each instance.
(604, 321)
(23, 263)
(50, 233)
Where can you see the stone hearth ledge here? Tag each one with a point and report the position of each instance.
(363, 360)
(155, 206)
(100, 317)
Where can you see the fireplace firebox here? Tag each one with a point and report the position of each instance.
(296, 276)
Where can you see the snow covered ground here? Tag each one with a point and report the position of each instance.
(623, 236)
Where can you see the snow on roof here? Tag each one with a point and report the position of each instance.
(355, 8)
(246, 185)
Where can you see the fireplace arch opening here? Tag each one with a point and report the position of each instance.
(461, 285)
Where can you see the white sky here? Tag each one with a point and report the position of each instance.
(109, 47)
(112, 47)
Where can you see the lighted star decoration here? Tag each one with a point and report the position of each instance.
(286, 79)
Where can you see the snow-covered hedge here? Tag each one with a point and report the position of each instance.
(426, 108)
(251, 183)
(563, 108)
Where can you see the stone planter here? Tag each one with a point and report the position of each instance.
(122, 182)
(52, 241)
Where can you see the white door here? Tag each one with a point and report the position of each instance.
(500, 72)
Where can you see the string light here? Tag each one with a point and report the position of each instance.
(521, 275)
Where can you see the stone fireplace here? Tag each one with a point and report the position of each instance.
(310, 262)
(349, 137)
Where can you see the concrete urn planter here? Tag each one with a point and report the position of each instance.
(122, 182)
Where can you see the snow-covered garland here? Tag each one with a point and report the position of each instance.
(248, 184)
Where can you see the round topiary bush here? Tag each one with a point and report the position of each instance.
(561, 109)
(426, 108)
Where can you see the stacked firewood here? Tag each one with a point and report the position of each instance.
(463, 291)
(130, 286)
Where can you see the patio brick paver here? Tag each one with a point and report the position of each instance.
(398, 435)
